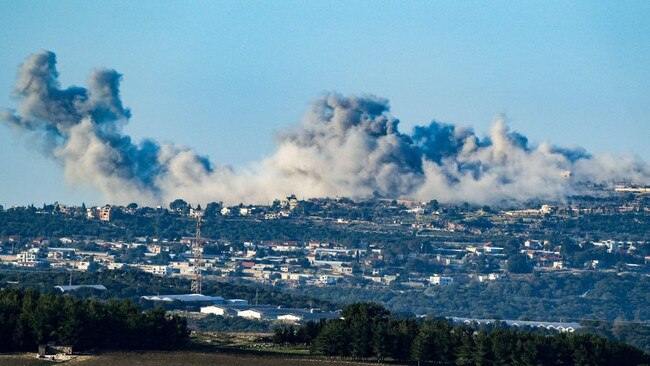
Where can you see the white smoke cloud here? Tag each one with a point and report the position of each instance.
(344, 146)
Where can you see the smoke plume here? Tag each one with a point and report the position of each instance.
(344, 146)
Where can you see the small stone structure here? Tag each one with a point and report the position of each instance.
(50, 349)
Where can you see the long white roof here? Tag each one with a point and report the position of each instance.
(76, 287)
(183, 298)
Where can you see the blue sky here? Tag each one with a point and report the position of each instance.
(223, 77)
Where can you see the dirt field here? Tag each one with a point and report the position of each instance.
(21, 360)
(223, 349)
(177, 358)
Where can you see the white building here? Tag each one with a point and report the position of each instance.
(218, 310)
(441, 280)
(290, 318)
(547, 209)
(116, 266)
(83, 265)
(295, 276)
(327, 279)
(66, 240)
(251, 314)
(195, 213)
(30, 255)
(157, 270)
(489, 277)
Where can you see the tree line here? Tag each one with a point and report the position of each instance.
(131, 284)
(367, 330)
(591, 295)
(28, 319)
(27, 222)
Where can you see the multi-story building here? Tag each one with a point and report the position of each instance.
(105, 213)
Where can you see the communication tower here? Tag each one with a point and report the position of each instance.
(197, 250)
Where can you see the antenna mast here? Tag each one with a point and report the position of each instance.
(197, 250)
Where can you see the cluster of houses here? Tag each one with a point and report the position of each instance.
(293, 263)
(267, 261)
(324, 263)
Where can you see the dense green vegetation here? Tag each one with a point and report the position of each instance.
(28, 222)
(367, 330)
(28, 319)
(550, 297)
(632, 224)
(634, 334)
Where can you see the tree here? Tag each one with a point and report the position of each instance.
(212, 209)
(433, 205)
(502, 346)
(423, 344)
(433, 343)
(482, 349)
(401, 334)
(464, 345)
(285, 335)
(180, 206)
(333, 340)
(73, 322)
(360, 317)
(365, 311)
(308, 332)
(380, 341)
(518, 264)
(361, 337)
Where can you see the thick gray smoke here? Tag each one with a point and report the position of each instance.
(344, 146)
